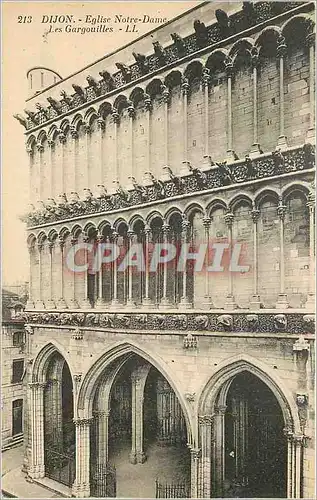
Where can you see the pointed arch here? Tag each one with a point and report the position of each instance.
(301, 25)
(154, 87)
(90, 115)
(42, 358)
(238, 199)
(172, 211)
(266, 193)
(192, 208)
(244, 45)
(194, 69)
(229, 368)
(173, 78)
(216, 203)
(90, 381)
(105, 109)
(155, 214)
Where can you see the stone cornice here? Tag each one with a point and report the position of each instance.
(258, 322)
(241, 23)
(221, 176)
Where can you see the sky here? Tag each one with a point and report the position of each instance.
(25, 45)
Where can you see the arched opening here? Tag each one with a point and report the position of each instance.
(59, 429)
(255, 447)
(139, 434)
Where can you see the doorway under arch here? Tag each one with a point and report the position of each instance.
(139, 429)
(255, 447)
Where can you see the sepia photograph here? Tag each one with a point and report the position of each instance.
(158, 249)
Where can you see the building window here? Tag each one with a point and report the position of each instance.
(18, 339)
(17, 412)
(17, 370)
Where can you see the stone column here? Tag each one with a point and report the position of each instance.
(184, 302)
(229, 72)
(230, 302)
(85, 304)
(103, 428)
(219, 426)
(30, 301)
(36, 466)
(40, 149)
(281, 52)
(61, 304)
(116, 120)
(165, 302)
(138, 378)
(310, 304)
(74, 135)
(51, 145)
(132, 238)
(185, 170)
(73, 304)
(53, 413)
(39, 302)
(100, 303)
(32, 163)
(255, 149)
(207, 299)
(205, 424)
(115, 304)
(166, 99)
(310, 40)
(87, 130)
(282, 297)
(131, 113)
(101, 127)
(255, 299)
(195, 455)
(62, 140)
(205, 80)
(148, 108)
(147, 302)
(81, 486)
(296, 443)
(50, 303)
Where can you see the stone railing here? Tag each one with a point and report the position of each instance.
(221, 175)
(226, 26)
(298, 323)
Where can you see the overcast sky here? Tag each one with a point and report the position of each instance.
(25, 45)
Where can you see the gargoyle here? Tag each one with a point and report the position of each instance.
(88, 197)
(278, 159)
(120, 191)
(102, 192)
(50, 205)
(21, 120)
(33, 116)
(159, 51)
(137, 187)
(201, 33)
(61, 200)
(107, 77)
(178, 182)
(200, 176)
(309, 322)
(309, 155)
(126, 72)
(79, 91)
(157, 184)
(179, 43)
(226, 321)
(280, 322)
(42, 110)
(223, 19)
(93, 84)
(225, 173)
(55, 105)
(248, 9)
(201, 321)
(141, 61)
(66, 98)
(253, 321)
(250, 167)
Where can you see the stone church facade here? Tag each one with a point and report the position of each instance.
(202, 131)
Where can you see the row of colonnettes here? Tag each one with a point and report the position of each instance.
(225, 105)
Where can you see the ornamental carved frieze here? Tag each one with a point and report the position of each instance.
(288, 323)
(201, 37)
(220, 175)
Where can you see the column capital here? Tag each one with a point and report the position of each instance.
(100, 238)
(229, 67)
(101, 123)
(39, 147)
(147, 229)
(131, 109)
(205, 78)
(206, 222)
(147, 102)
(195, 453)
(86, 237)
(185, 86)
(166, 229)
(205, 419)
(115, 115)
(82, 422)
(165, 93)
(254, 57)
(61, 136)
(311, 200)
(220, 410)
(40, 246)
(281, 47)
(114, 235)
(30, 150)
(255, 213)
(73, 240)
(51, 143)
(61, 242)
(310, 39)
(229, 217)
(281, 211)
(34, 386)
(51, 245)
(73, 132)
(87, 128)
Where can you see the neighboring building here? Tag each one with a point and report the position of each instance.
(201, 131)
(12, 368)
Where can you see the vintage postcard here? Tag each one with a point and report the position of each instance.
(158, 292)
